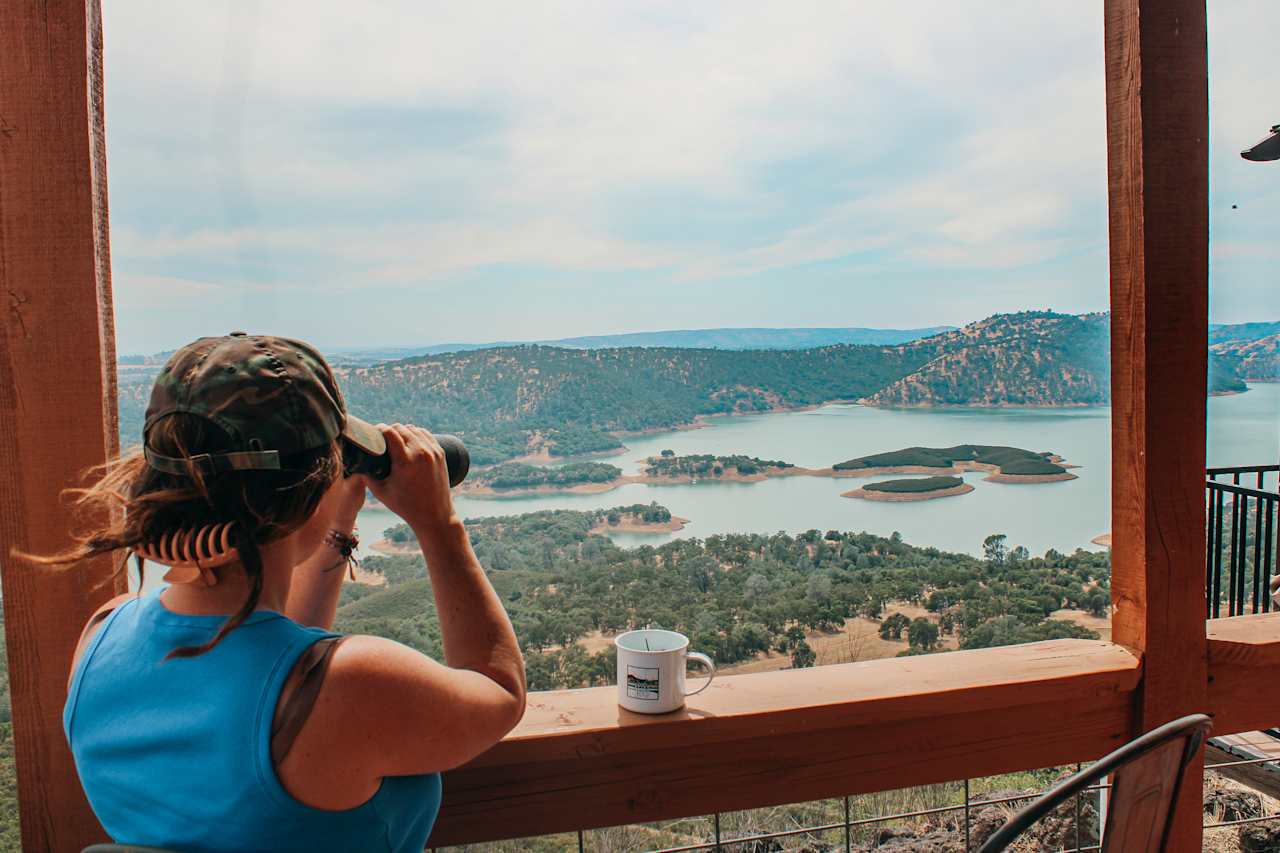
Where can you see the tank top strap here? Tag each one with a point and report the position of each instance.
(299, 695)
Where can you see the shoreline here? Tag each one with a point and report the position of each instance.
(907, 497)
(1017, 479)
(388, 548)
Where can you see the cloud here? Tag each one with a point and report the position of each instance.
(285, 145)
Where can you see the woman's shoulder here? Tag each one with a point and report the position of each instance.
(95, 622)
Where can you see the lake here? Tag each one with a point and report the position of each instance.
(1244, 429)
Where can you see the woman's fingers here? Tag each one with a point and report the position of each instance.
(396, 444)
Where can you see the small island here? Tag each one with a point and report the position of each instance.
(637, 518)
(513, 479)
(913, 489)
(669, 468)
(518, 478)
(1002, 464)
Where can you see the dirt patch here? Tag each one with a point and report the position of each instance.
(368, 578)
(386, 546)
(1101, 624)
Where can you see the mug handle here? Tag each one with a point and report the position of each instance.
(700, 658)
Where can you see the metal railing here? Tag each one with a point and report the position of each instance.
(1241, 552)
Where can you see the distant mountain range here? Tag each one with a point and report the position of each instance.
(509, 401)
(727, 339)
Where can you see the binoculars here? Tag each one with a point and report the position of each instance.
(357, 461)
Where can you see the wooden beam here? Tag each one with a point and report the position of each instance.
(577, 761)
(1157, 142)
(1244, 656)
(57, 378)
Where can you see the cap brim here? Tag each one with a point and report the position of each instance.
(364, 435)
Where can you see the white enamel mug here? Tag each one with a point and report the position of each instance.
(651, 670)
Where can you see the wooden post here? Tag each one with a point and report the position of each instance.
(57, 378)
(1158, 182)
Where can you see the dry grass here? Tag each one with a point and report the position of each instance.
(1101, 624)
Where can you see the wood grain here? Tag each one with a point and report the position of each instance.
(57, 368)
(1244, 659)
(578, 761)
(1157, 142)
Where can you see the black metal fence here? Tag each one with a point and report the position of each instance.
(1242, 527)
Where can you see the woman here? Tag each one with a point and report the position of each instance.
(221, 713)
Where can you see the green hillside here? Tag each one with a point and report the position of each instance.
(505, 402)
(508, 401)
(735, 595)
(1256, 360)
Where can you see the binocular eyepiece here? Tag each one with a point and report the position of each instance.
(356, 461)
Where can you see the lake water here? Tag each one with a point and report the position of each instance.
(1244, 429)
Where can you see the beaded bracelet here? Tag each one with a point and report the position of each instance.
(345, 544)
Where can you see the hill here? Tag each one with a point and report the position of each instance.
(1242, 332)
(512, 401)
(1034, 358)
(1256, 360)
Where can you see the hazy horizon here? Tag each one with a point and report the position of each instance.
(431, 176)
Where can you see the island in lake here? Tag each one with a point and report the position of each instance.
(1003, 464)
(913, 489)
(512, 479)
(399, 539)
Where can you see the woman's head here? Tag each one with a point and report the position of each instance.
(243, 429)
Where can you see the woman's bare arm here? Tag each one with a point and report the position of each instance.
(385, 708)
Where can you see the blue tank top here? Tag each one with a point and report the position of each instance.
(177, 753)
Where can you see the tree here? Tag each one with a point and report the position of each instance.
(993, 549)
(893, 626)
(668, 453)
(802, 655)
(923, 634)
(1098, 603)
(1019, 555)
(757, 587)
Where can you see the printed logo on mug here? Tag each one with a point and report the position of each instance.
(651, 670)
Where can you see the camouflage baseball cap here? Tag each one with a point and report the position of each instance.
(273, 396)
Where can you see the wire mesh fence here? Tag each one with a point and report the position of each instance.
(958, 816)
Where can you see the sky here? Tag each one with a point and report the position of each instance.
(409, 173)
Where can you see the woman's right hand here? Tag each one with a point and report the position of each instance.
(417, 489)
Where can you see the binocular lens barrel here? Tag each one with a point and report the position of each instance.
(456, 458)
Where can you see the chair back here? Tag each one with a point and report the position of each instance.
(1148, 774)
